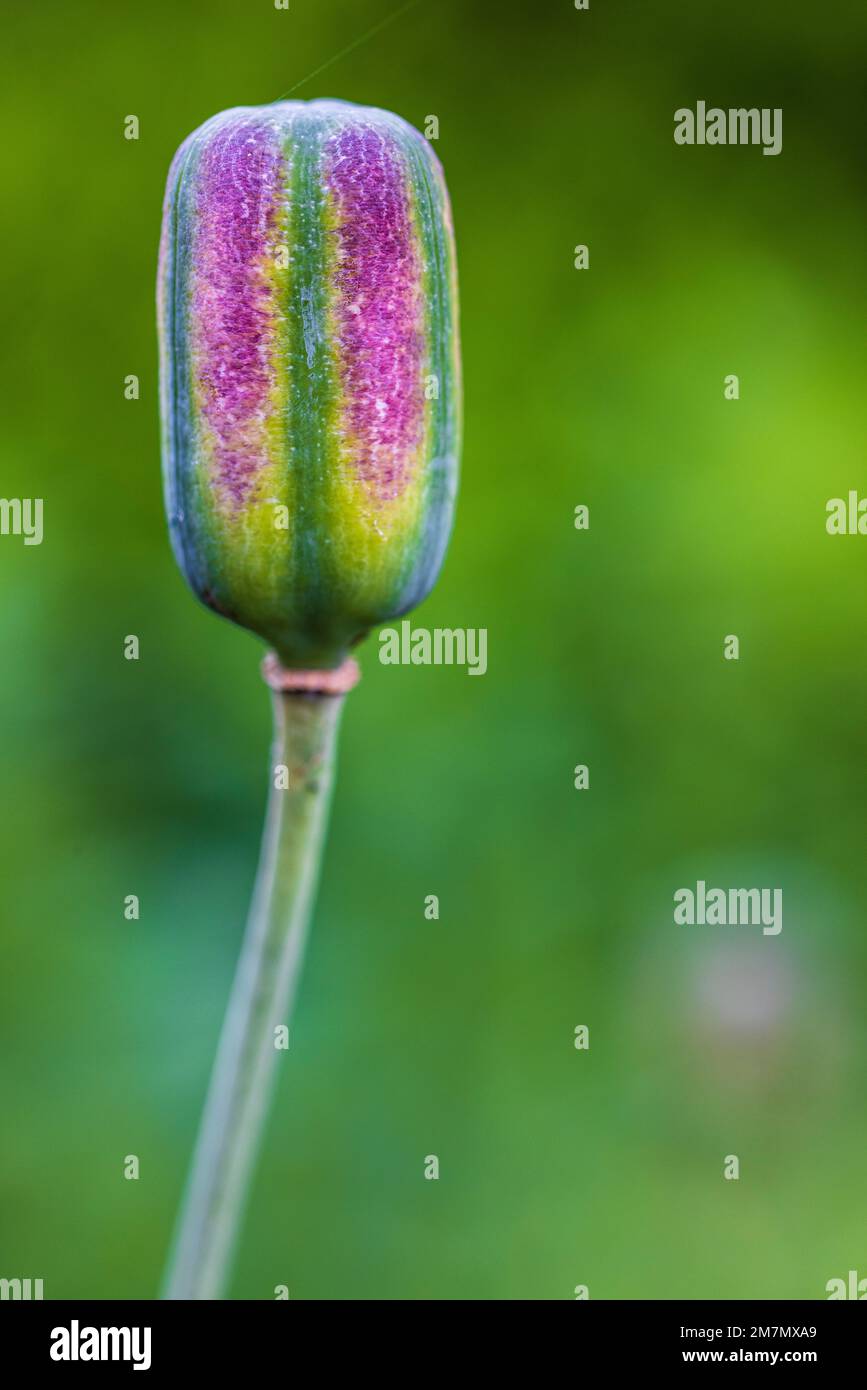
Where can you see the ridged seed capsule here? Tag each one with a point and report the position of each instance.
(310, 376)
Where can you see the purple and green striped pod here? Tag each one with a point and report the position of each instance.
(310, 372)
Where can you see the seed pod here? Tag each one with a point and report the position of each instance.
(310, 374)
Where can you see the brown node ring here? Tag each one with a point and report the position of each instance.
(336, 682)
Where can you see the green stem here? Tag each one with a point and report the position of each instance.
(305, 730)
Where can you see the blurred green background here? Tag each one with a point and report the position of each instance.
(605, 386)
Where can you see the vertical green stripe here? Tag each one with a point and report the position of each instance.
(440, 328)
(312, 387)
(183, 516)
